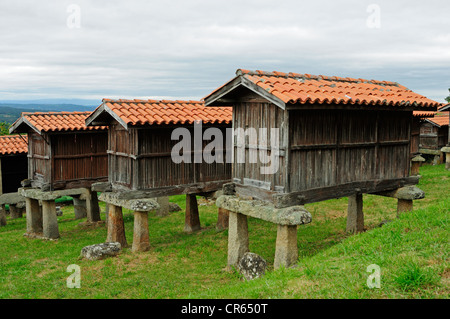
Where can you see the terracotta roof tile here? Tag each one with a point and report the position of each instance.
(13, 144)
(440, 119)
(423, 114)
(139, 112)
(306, 88)
(59, 121)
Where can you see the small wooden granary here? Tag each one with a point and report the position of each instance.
(140, 146)
(140, 156)
(63, 152)
(64, 159)
(337, 136)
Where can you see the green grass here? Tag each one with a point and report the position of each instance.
(411, 251)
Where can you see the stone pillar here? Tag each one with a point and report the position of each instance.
(416, 162)
(49, 219)
(446, 150)
(163, 206)
(15, 212)
(79, 207)
(237, 238)
(222, 219)
(116, 226)
(141, 238)
(34, 216)
(106, 213)
(286, 250)
(3, 215)
(92, 208)
(404, 205)
(355, 215)
(192, 219)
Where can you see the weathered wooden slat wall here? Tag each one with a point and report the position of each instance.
(325, 147)
(38, 159)
(336, 147)
(120, 147)
(157, 169)
(415, 136)
(442, 137)
(259, 115)
(79, 156)
(140, 158)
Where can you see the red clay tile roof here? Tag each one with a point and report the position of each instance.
(440, 119)
(423, 114)
(56, 121)
(306, 88)
(139, 112)
(13, 144)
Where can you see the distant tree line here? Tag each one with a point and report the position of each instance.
(448, 97)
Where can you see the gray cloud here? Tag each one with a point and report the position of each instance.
(185, 49)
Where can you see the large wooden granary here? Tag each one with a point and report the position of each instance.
(300, 138)
(63, 152)
(336, 135)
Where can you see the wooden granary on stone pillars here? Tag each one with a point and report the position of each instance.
(157, 149)
(64, 158)
(300, 138)
(13, 169)
(446, 149)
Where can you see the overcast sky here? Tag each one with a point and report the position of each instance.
(185, 49)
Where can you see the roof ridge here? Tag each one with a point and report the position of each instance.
(306, 76)
(56, 113)
(162, 101)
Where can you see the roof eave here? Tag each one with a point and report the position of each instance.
(19, 123)
(217, 97)
(445, 108)
(92, 119)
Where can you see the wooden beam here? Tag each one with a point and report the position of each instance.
(197, 188)
(324, 193)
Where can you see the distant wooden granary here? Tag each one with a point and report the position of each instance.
(434, 135)
(446, 149)
(140, 146)
(13, 162)
(64, 158)
(63, 153)
(13, 169)
(329, 137)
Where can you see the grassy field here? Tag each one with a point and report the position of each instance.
(411, 251)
